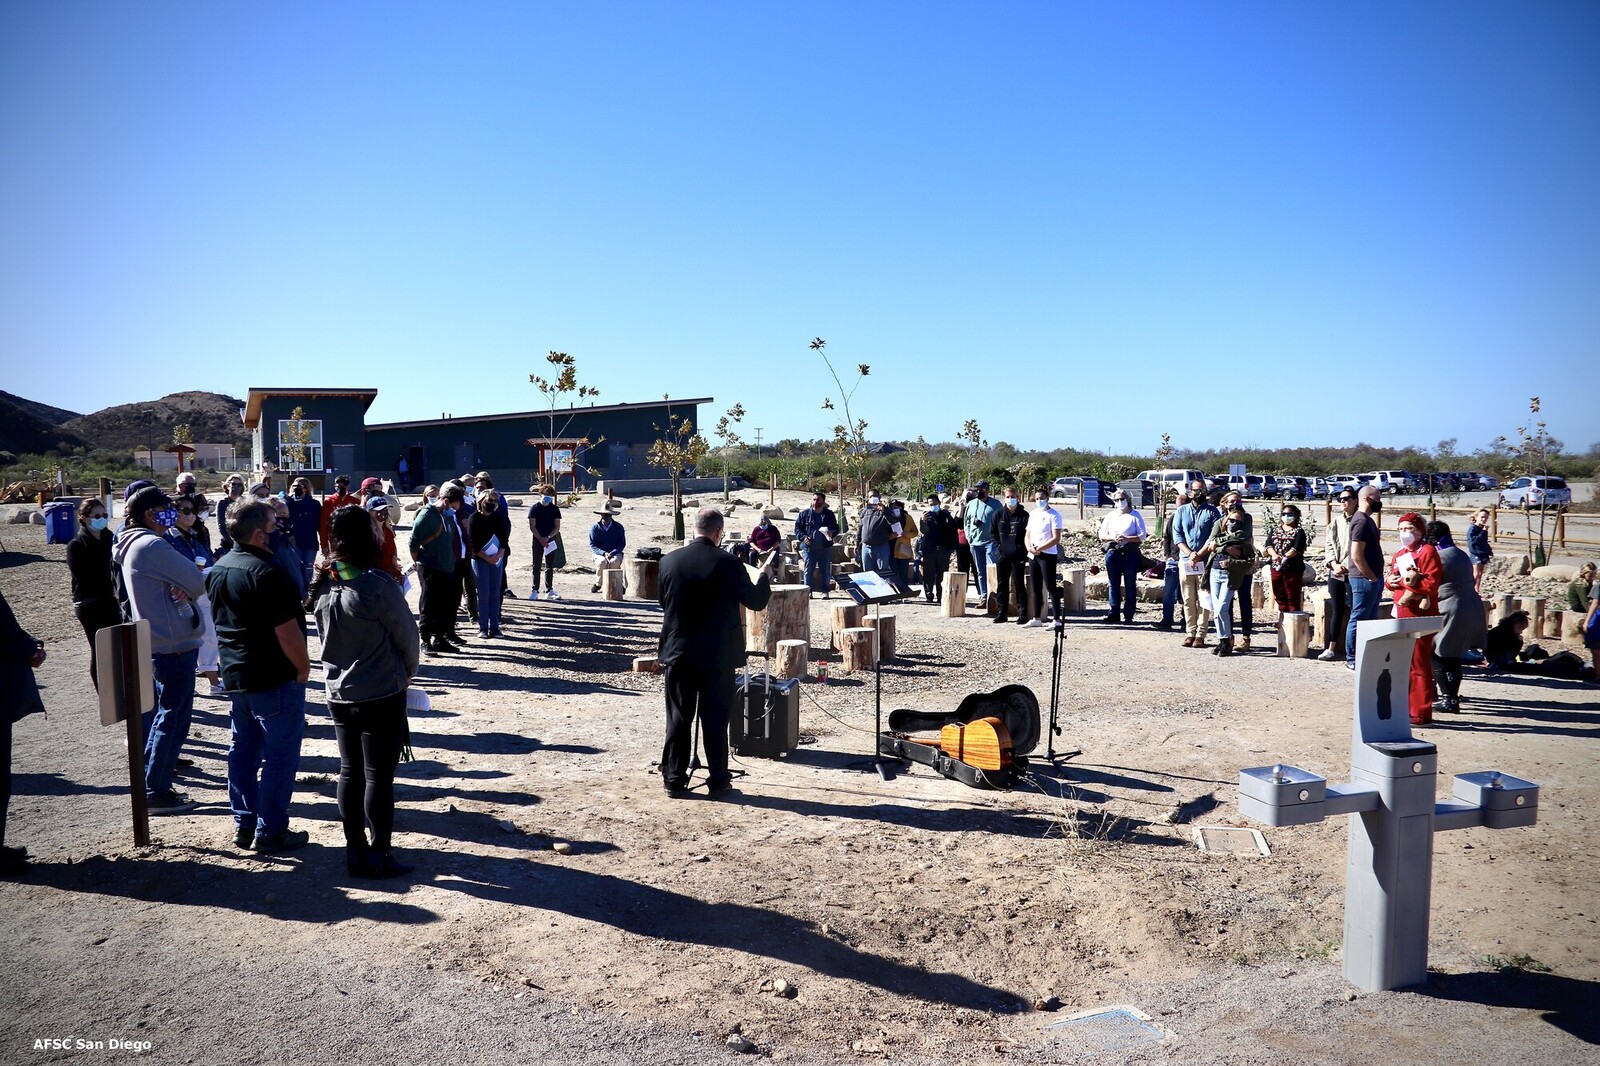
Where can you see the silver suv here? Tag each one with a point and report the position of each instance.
(1536, 492)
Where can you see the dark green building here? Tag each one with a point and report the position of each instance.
(584, 444)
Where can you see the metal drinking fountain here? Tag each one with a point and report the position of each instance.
(1393, 815)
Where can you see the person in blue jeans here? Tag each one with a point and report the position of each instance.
(1122, 531)
(160, 585)
(876, 540)
(815, 530)
(484, 530)
(265, 666)
(1366, 566)
(305, 521)
(979, 520)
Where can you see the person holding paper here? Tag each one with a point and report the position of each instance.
(873, 530)
(814, 530)
(904, 546)
(1191, 533)
(1412, 577)
(483, 534)
(607, 540)
(544, 523)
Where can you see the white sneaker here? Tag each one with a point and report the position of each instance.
(218, 691)
(1036, 623)
(534, 595)
(551, 595)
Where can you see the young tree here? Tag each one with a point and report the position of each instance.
(977, 447)
(728, 440)
(849, 446)
(920, 452)
(295, 442)
(1163, 458)
(1530, 457)
(678, 448)
(558, 423)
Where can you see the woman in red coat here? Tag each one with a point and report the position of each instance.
(1413, 578)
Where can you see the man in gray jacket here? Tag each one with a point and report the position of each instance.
(159, 584)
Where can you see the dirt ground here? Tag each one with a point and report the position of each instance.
(914, 920)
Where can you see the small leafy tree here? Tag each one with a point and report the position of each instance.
(557, 423)
(919, 452)
(678, 448)
(977, 447)
(849, 446)
(296, 439)
(1530, 457)
(1445, 461)
(728, 439)
(1163, 458)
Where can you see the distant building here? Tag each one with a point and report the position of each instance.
(204, 457)
(582, 443)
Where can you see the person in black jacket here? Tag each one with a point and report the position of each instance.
(20, 656)
(702, 587)
(938, 540)
(94, 601)
(1011, 556)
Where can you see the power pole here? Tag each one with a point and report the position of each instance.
(758, 444)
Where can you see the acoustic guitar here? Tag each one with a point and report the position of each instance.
(983, 743)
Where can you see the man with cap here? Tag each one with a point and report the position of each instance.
(159, 584)
(607, 541)
(265, 666)
(370, 487)
(1336, 564)
(342, 497)
(978, 521)
(435, 545)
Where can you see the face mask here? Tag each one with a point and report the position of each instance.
(1407, 537)
(203, 513)
(765, 523)
(1289, 519)
(1124, 505)
(1011, 501)
(168, 518)
(873, 500)
(99, 524)
(936, 508)
(299, 492)
(433, 501)
(487, 508)
(1041, 504)
(547, 500)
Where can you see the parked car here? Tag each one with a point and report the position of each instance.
(1536, 492)
(1095, 493)
(1392, 482)
(1171, 481)
(1249, 486)
(1339, 482)
(1296, 488)
(1440, 482)
(1270, 487)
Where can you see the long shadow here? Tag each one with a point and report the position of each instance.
(60, 785)
(1084, 774)
(293, 883)
(648, 911)
(969, 819)
(473, 826)
(15, 558)
(1567, 1003)
(1541, 717)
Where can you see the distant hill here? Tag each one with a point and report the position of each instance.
(27, 426)
(212, 416)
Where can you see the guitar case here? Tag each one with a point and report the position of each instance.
(1015, 705)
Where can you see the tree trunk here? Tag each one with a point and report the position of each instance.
(843, 616)
(1294, 634)
(884, 624)
(855, 648)
(787, 616)
(792, 656)
(644, 579)
(955, 595)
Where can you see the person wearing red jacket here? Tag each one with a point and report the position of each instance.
(1412, 577)
(342, 497)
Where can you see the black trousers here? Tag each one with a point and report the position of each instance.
(542, 562)
(5, 772)
(1339, 593)
(1247, 609)
(707, 691)
(94, 616)
(1042, 568)
(370, 736)
(439, 601)
(469, 586)
(1012, 568)
(1447, 675)
(935, 561)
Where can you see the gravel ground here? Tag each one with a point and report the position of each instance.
(916, 920)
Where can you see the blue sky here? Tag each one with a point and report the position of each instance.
(1082, 225)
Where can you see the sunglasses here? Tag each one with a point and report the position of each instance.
(186, 510)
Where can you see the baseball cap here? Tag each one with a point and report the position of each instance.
(134, 486)
(370, 483)
(981, 485)
(260, 489)
(377, 503)
(148, 498)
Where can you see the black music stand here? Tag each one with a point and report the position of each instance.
(875, 588)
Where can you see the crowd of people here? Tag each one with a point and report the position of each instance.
(235, 613)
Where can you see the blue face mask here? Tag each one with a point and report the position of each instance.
(99, 524)
(1010, 502)
(936, 508)
(1042, 504)
(167, 518)
(547, 499)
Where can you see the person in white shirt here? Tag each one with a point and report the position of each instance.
(1044, 549)
(1121, 532)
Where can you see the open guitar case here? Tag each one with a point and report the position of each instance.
(1015, 705)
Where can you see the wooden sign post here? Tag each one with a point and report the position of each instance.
(127, 690)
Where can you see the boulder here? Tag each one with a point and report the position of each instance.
(1556, 572)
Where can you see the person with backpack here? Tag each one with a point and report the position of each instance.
(157, 583)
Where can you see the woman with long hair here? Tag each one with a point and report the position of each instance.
(485, 543)
(1286, 546)
(370, 649)
(1412, 577)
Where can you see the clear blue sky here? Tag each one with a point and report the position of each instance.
(1080, 224)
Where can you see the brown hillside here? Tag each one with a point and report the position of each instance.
(26, 426)
(212, 416)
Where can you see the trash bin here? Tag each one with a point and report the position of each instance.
(1140, 491)
(59, 520)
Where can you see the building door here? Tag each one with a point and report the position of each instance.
(466, 458)
(342, 457)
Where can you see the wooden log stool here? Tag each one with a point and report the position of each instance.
(787, 616)
(612, 584)
(644, 579)
(1534, 605)
(955, 594)
(1553, 624)
(1074, 590)
(646, 664)
(792, 659)
(1294, 634)
(1321, 607)
(843, 616)
(884, 624)
(855, 648)
(1504, 605)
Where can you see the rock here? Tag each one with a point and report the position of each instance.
(506, 826)
(561, 847)
(665, 512)
(1049, 1003)
(18, 518)
(783, 988)
(775, 512)
(1556, 572)
(737, 1042)
(36, 517)
(701, 858)
(690, 504)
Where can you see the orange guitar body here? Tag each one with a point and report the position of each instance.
(983, 743)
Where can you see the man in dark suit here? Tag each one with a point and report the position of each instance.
(702, 642)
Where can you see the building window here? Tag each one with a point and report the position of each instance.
(300, 444)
